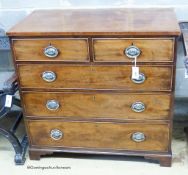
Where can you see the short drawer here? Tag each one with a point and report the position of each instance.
(99, 135)
(121, 50)
(56, 76)
(51, 49)
(97, 105)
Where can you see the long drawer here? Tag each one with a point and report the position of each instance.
(106, 135)
(51, 49)
(57, 76)
(118, 50)
(97, 105)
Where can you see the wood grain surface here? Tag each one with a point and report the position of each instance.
(33, 49)
(152, 50)
(158, 78)
(93, 80)
(100, 135)
(77, 22)
(97, 105)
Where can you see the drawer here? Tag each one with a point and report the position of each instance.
(104, 135)
(56, 76)
(51, 49)
(97, 105)
(116, 50)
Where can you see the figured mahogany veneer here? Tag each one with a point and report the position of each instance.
(75, 79)
(100, 135)
(152, 50)
(158, 78)
(97, 105)
(99, 22)
(33, 49)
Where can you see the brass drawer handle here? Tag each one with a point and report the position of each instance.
(52, 105)
(51, 52)
(49, 76)
(56, 134)
(138, 107)
(138, 137)
(132, 52)
(140, 80)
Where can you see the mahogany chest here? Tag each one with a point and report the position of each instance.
(97, 81)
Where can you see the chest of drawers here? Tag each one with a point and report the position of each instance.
(76, 85)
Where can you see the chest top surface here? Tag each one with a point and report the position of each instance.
(100, 22)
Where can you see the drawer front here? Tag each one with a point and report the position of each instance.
(124, 136)
(97, 105)
(51, 50)
(152, 50)
(154, 78)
